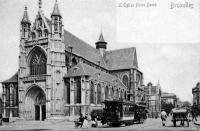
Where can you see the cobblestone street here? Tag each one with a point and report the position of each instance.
(149, 125)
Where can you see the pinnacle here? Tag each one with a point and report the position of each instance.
(25, 18)
(56, 11)
(101, 39)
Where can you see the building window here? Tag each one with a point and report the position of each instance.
(67, 61)
(45, 33)
(98, 94)
(125, 80)
(38, 62)
(33, 35)
(56, 24)
(78, 90)
(125, 95)
(74, 62)
(39, 33)
(92, 93)
(112, 93)
(68, 92)
(106, 92)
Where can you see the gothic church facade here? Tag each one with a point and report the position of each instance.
(61, 75)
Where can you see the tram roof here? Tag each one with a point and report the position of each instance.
(121, 101)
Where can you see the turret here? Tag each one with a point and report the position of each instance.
(25, 25)
(57, 26)
(101, 45)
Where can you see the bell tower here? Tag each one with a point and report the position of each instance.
(57, 25)
(25, 25)
(101, 45)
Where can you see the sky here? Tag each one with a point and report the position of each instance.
(167, 40)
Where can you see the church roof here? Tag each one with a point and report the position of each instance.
(56, 11)
(83, 49)
(13, 79)
(121, 59)
(83, 69)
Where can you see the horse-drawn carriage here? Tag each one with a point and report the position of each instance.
(180, 114)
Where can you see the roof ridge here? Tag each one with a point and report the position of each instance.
(121, 49)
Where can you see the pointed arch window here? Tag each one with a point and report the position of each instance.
(98, 94)
(78, 90)
(112, 93)
(117, 94)
(39, 33)
(56, 24)
(74, 62)
(125, 80)
(38, 63)
(92, 93)
(106, 92)
(33, 36)
(46, 33)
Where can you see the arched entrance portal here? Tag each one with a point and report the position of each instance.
(35, 104)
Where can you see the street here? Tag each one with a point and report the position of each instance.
(149, 125)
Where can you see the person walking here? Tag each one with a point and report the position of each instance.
(163, 117)
(193, 115)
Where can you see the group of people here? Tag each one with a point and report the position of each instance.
(164, 116)
(83, 121)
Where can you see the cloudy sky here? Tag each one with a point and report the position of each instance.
(167, 40)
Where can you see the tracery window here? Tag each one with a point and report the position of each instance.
(38, 63)
(125, 80)
(98, 94)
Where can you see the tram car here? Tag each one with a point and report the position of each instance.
(118, 112)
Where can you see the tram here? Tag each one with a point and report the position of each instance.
(118, 112)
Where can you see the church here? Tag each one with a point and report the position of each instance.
(61, 75)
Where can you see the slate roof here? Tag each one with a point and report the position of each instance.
(83, 49)
(13, 79)
(83, 69)
(113, 60)
(121, 59)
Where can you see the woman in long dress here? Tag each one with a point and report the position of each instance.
(85, 122)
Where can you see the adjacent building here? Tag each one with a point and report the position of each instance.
(153, 96)
(61, 75)
(196, 97)
(169, 98)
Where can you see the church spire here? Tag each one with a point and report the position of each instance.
(25, 18)
(56, 11)
(101, 39)
(101, 45)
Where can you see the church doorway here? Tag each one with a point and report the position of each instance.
(35, 104)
